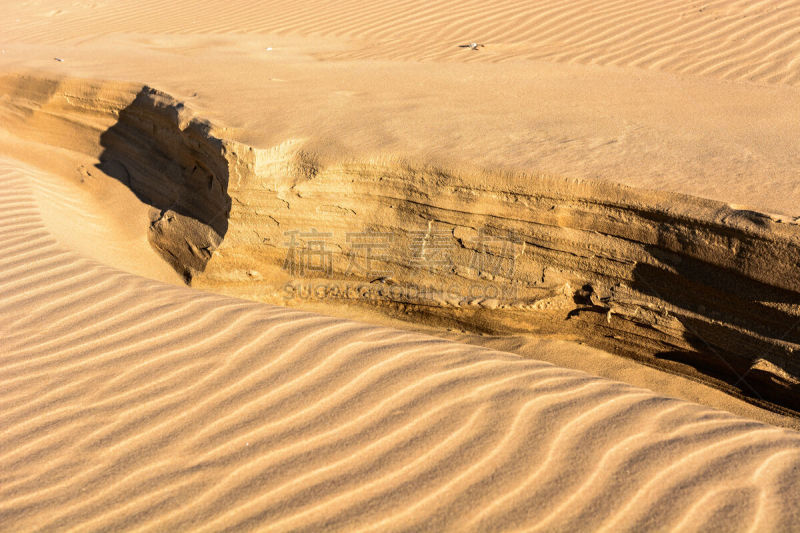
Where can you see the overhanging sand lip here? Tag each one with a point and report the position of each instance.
(132, 404)
(646, 129)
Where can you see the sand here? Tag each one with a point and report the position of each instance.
(645, 150)
(133, 404)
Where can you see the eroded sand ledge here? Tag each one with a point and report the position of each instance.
(694, 286)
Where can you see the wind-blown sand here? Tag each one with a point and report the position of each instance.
(128, 403)
(646, 154)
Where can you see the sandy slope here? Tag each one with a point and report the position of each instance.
(129, 403)
(132, 403)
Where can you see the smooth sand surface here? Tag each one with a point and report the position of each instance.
(131, 402)
(690, 98)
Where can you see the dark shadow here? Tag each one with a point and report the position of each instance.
(726, 372)
(165, 165)
(723, 295)
(175, 165)
(729, 327)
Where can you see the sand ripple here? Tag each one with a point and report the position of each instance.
(131, 404)
(730, 39)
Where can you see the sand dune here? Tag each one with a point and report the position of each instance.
(645, 151)
(127, 403)
(729, 39)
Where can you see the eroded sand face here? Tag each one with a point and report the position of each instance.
(693, 286)
(185, 146)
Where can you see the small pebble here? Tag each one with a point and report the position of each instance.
(58, 59)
